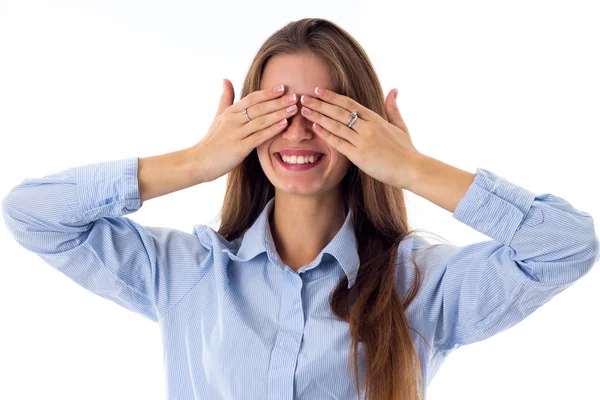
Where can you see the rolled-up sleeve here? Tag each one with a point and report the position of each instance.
(74, 220)
(541, 245)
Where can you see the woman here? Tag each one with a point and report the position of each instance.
(314, 268)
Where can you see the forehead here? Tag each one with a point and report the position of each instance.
(300, 73)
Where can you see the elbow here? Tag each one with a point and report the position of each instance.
(595, 249)
(25, 226)
(589, 254)
(14, 220)
(9, 212)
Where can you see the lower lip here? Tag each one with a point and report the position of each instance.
(298, 167)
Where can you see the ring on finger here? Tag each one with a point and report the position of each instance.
(353, 119)
(246, 114)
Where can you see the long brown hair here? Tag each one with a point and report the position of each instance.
(372, 306)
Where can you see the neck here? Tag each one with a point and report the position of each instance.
(302, 226)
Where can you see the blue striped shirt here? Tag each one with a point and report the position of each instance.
(237, 323)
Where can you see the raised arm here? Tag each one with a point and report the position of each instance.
(74, 220)
(540, 246)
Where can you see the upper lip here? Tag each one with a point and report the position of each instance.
(298, 152)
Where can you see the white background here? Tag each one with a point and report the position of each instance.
(511, 86)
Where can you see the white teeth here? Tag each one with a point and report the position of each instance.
(299, 159)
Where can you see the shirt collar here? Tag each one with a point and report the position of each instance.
(258, 239)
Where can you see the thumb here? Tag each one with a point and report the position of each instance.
(227, 97)
(393, 112)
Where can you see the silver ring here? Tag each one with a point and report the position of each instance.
(246, 114)
(353, 119)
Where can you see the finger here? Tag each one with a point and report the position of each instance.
(333, 126)
(258, 97)
(393, 112)
(346, 103)
(227, 97)
(267, 107)
(256, 139)
(332, 111)
(338, 143)
(266, 120)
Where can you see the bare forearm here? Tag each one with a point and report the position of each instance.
(167, 173)
(440, 183)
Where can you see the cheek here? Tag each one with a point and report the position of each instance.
(340, 159)
(263, 148)
(264, 156)
(342, 163)
(261, 151)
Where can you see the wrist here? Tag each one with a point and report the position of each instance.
(440, 183)
(420, 166)
(193, 156)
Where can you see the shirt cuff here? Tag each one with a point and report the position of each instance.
(108, 189)
(494, 206)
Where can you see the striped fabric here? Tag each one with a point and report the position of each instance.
(237, 323)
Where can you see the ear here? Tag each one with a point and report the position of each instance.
(393, 113)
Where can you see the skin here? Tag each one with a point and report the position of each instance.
(309, 208)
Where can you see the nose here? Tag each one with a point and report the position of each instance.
(299, 128)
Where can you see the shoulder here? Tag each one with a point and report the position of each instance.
(430, 258)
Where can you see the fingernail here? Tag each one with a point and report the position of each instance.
(320, 91)
(278, 89)
(395, 94)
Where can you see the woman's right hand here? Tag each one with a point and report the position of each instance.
(231, 137)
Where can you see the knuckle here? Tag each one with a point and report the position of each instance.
(337, 127)
(227, 117)
(262, 120)
(247, 98)
(259, 108)
(349, 104)
(253, 97)
(233, 118)
(265, 95)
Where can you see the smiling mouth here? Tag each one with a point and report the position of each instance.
(316, 159)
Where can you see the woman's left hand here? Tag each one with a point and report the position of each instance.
(381, 149)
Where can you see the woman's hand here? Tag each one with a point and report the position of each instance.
(380, 148)
(231, 137)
